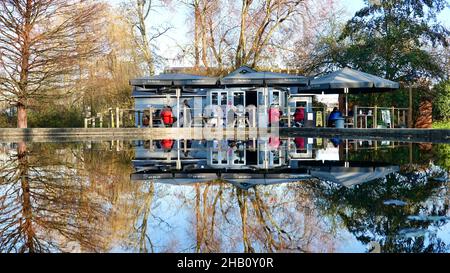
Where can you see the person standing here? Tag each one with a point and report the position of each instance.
(274, 115)
(167, 116)
(187, 114)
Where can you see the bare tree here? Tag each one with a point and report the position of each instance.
(40, 41)
(226, 35)
(44, 207)
(258, 26)
(138, 13)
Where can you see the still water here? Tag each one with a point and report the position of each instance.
(257, 195)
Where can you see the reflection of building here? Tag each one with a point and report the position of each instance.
(235, 95)
(247, 163)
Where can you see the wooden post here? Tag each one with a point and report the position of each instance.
(398, 117)
(121, 117)
(111, 117)
(184, 115)
(289, 115)
(254, 117)
(404, 117)
(178, 94)
(355, 116)
(117, 118)
(93, 122)
(150, 117)
(393, 117)
(85, 122)
(410, 113)
(324, 121)
(375, 116)
(101, 120)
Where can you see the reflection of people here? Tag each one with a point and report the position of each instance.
(334, 115)
(167, 144)
(274, 142)
(299, 143)
(336, 141)
(167, 116)
(299, 116)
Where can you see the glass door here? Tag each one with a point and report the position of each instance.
(263, 117)
(219, 104)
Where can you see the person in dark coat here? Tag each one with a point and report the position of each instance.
(336, 114)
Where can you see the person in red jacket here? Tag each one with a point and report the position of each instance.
(299, 116)
(167, 116)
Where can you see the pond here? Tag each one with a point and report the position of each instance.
(253, 195)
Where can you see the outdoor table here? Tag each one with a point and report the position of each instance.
(339, 123)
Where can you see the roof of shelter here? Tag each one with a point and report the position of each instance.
(356, 81)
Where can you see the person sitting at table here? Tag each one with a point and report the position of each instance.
(334, 115)
(350, 110)
(146, 120)
(274, 115)
(299, 116)
(167, 116)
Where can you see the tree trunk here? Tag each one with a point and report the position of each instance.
(425, 118)
(240, 51)
(21, 116)
(196, 34)
(27, 209)
(341, 103)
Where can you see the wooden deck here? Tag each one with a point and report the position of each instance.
(93, 134)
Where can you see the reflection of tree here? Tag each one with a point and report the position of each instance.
(363, 212)
(279, 224)
(143, 213)
(442, 155)
(44, 205)
(261, 219)
(205, 217)
(107, 166)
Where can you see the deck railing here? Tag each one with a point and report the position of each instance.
(362, 117)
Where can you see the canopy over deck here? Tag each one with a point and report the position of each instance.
(243, 76)
(355, 173)
(246, 76)
(351, 81)
(174, 80)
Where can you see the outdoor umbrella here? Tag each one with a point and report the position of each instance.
(348, 176)
(348, 80)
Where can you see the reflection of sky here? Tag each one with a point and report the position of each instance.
(177, 233)
(172, 222)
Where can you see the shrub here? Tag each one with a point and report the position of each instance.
(441, 102)
(56, 117)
